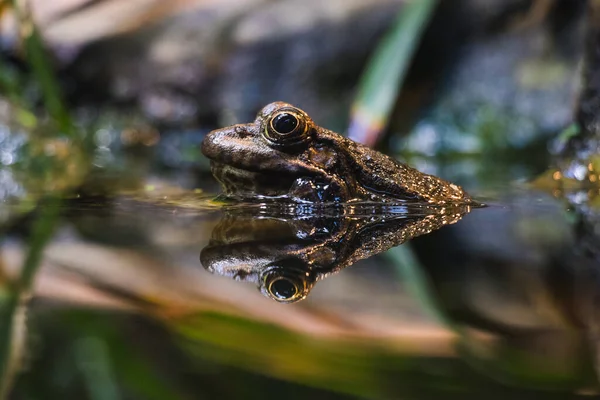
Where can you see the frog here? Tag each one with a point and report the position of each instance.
(283, 154)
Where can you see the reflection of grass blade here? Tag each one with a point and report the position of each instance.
(42, 231)
(11, 309)
(410, 269)
(381, 82)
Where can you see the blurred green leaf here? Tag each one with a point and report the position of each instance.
(339, 366)
(93, 354)
(383, 77)
(40, 64)
(568, 133)
(94, 363)
(14, 300)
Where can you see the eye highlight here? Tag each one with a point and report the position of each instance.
(287, 127)
(284, 123)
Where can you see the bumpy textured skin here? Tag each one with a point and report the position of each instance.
(310, 248)
(326, 167)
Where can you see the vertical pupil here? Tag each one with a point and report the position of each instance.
(283, 289)
(285, 123)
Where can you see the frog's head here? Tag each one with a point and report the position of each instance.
(279, 272)
(276, 155)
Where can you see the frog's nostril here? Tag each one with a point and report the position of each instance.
(241, 131)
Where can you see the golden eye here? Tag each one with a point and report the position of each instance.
(285, 285)
(284, 123)
(283, 289)
(288, 127)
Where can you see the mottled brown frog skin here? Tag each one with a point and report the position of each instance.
(285, 256)
(284, 155)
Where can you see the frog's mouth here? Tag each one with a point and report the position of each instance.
(240, 183)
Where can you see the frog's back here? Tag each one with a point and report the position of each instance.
(384, 175)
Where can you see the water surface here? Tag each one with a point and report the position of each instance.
(496, 301)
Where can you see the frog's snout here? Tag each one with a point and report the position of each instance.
(210, 146)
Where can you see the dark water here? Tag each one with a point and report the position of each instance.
(156, 298)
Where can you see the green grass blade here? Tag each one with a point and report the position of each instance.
(17, 294)
(383, 76)
(41, 67)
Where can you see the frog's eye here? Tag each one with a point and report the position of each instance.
(284, 123)
(283, 288)
(284, 285)
(288, 127)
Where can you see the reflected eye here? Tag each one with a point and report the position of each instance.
(286, 283)
(288, 127)
(283, 288)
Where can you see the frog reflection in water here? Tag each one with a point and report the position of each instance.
(286, 256)
(283, 154)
